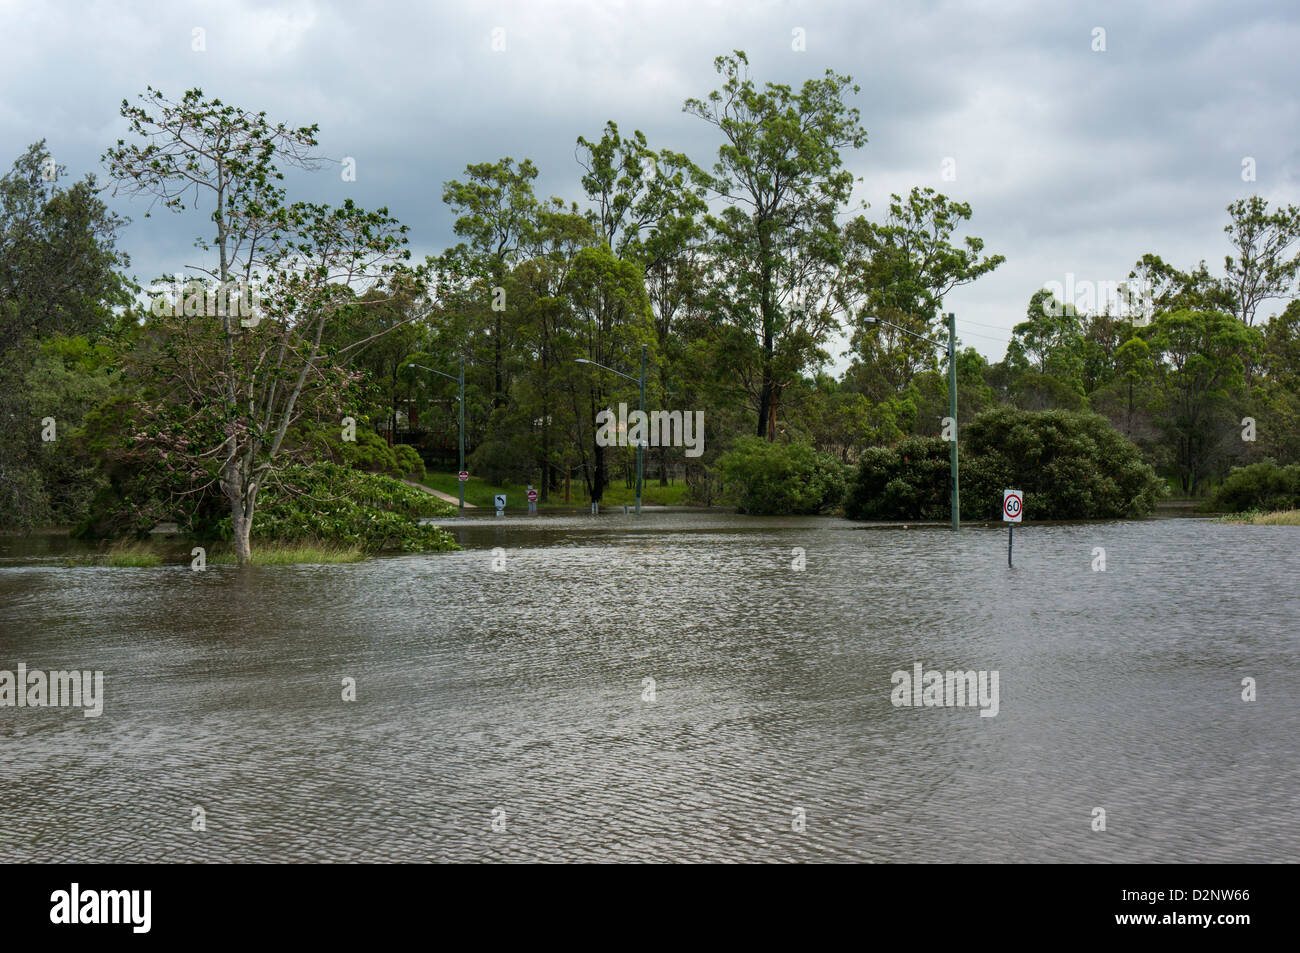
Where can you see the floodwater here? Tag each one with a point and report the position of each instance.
(509, 715)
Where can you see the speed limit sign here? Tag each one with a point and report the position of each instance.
(1013, 505)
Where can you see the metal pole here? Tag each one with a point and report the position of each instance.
(641, 443)
(952, 412)
(462, 434)
(1011, 538)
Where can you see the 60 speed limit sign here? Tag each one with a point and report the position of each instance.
(1013, 505)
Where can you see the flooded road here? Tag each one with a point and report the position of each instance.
(671, 687)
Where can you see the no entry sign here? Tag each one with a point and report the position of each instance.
(463, 475)
(1013, 505)
(532, 495)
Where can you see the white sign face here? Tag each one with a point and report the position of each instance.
(532, 496)
(463, 475)
(1013, 505)
(501, 501)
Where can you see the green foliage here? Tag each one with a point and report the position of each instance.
(1070, 465)
(333, 504)
(768, 479)
(1260, 486)
(906, 481)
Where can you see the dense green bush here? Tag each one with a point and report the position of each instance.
(906, 481)
(768, 479)
(369, 452)
(329, 503)
(1070, 466)
(1260, 486)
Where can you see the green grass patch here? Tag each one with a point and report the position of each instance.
(1275, 518)
(138, 555)
(291, 554)
(479, 492)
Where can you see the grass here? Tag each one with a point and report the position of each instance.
(1276, 518)
(480, 493)
(264, 554)
(122, 554)
(291, 554)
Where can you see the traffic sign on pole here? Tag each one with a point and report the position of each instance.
(1013, 504)
(1013, 508)
(463, 475)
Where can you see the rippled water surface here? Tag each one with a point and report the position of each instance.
(521, 692)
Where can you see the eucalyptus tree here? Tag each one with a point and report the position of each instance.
(496, 213)
(649, 207)
(781, 177)
(900, 270)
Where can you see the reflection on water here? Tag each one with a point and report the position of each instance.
(522, 690)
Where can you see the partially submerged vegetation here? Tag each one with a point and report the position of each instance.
(149, 555)
(1254, 518)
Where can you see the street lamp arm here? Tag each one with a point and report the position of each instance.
(583, 360)
(919, 337)
(450, 377)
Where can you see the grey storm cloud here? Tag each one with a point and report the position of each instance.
(1074, 160)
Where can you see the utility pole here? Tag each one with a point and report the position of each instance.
(640, 444)
(462, 434)
(952, 412)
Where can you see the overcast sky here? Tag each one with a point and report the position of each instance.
(1075, 160)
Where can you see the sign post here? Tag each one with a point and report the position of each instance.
(532, 502)
(500, 500)
(1013, 507)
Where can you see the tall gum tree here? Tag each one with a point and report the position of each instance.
(781, 177)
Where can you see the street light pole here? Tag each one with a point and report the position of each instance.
(462, 483)
(952, 412)
(640, 382)
(640, 444)
(461, 381)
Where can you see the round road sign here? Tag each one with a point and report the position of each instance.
(463, 475)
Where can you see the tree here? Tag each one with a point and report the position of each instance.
(649, 208)
(219, 394)
(1267, 255)
(610, 323)
(1200, 371)
(780, 173)
(899, 271)
(496, 212)
(59, 276)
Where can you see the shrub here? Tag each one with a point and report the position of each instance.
(1260, 486)
(906, 481)
(768, 479)
(333, 504)
(409, 464)
(1070, 466)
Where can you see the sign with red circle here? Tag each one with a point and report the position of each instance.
(1013, 505)
(464, 475)
(532, 496)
